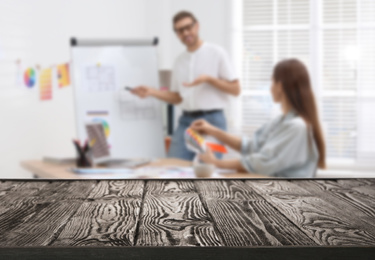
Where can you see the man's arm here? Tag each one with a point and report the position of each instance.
(230, 87)
(167, 96)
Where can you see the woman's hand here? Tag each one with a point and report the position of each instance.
(208, 157)
(202, 126)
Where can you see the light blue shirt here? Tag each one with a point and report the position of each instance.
(283, 147)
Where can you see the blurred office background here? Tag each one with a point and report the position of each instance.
(335, 38)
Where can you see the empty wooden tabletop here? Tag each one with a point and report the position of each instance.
(187, 213)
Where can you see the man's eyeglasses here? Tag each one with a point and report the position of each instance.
(186, 27)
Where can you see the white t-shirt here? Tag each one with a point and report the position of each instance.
(210, 60)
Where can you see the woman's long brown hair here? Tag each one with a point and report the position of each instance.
(295, 81)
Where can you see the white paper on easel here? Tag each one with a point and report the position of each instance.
(95, 66)
(99, 78)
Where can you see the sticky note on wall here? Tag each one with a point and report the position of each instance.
(45, 84)
(63, 75)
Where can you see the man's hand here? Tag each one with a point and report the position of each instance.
(201, 79)
(202, 126)
(208, 157)
(142, 91)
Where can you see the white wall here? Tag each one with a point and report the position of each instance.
(38, 32)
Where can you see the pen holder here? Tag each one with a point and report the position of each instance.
(84, 160)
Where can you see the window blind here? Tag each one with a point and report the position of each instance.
(348, 63)
(335, 39)
(273, 30)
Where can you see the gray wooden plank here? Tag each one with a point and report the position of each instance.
(224, 189)
(174, 218)
(243, 218)
(365, 186)
(170, 186)
(320, 220)
(65, 190)
(107, 189)
(16, 214)
(349, 183)
(102, 223)
(109, 217)
(350, 200)
(41, 228)
(16, 204)
(368, 190)
(277, 187)
(6, 186)
(37, 220)
(17, 191)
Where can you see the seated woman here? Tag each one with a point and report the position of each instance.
(292, 144)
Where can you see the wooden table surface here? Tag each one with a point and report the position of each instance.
(46, 170)
(229, 217)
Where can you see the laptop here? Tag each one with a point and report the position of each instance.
(100, 150)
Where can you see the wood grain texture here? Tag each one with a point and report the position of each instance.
(243, 218)
(17, 191)
(170, 187)
(6, 186)
(17, 203)
(224, 189)
(175, 220)
(277, 187)
(108, 218)
(65, 190)
(117, 189)
(102, 223)
(365, 186)
(349, 183)
(320, 220)
(350, 200)
(187, 213)
(37, 220)
(42, 226)
(17, 214)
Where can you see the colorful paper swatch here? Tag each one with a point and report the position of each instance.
(29, 77)
(105, 124)
(196, 143)
(45, 84)
(63, 75)
(218, 148)
(100, 117)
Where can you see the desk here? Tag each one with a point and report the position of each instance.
(46, 170)
(187, 219)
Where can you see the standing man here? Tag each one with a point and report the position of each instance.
(202, 80)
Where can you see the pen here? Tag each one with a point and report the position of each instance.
(78, 148)
(86, 146)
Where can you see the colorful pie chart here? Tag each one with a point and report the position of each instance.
(29, 77)
(105, 124)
